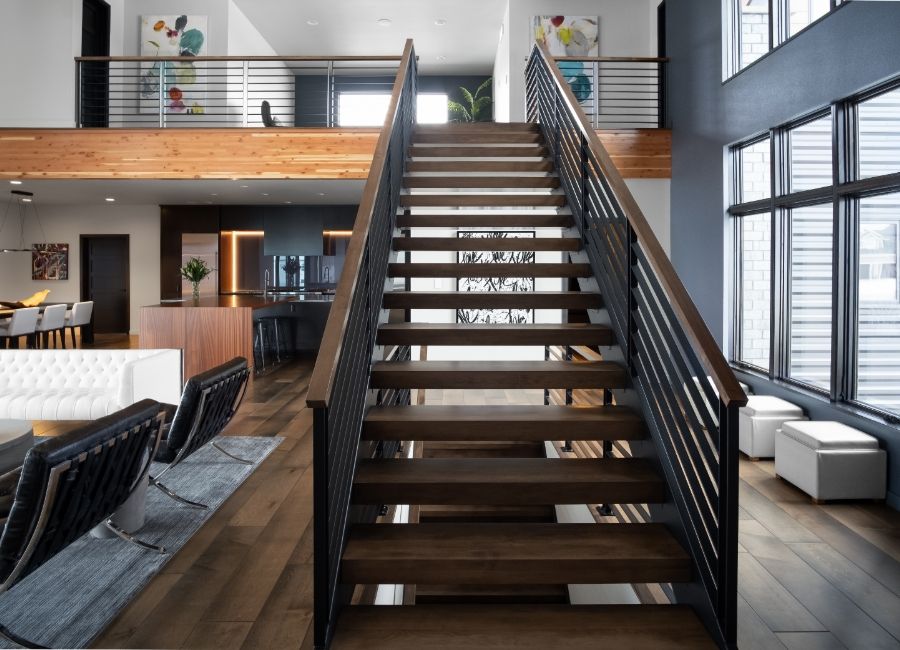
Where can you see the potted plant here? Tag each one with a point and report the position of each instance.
(475, 107)
(194, 271)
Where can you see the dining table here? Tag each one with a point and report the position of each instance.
(87, 331)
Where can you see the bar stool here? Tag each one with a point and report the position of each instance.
(78, 316)
(22, 323)
(53, 320)
(268, 336)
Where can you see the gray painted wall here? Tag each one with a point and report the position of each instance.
(850, 49)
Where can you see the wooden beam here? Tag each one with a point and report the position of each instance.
(201, 153)
(639, 153)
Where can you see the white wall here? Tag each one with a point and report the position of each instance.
(37, 68)
(652, 196)
(627, 28)
(215, 10)
(501, 72)
(64, 225)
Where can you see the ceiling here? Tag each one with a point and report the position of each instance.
(200, 192)
(467, 41)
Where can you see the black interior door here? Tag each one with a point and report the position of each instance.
(105, 280)
(94, 74)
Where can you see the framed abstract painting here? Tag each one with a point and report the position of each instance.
(50, 262)
(183, 83)
(567, 35)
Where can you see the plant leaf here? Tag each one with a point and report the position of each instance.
(488, 83)
(482, 109)
(467, 96)
(192, 41)
(458, 112)
(154, 43)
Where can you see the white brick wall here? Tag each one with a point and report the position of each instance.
(756, 289)
(754, 37)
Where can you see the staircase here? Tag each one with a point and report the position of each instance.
(487, 562)
(490, 550)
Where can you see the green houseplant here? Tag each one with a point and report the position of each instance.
(195, 271)
(475, 107)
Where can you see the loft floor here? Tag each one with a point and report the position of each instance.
(810, 576)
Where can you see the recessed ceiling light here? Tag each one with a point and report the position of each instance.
(441, 57)
(214, 194)
(440, 22)
(383, 22)
(27, 199)
(322, 193)
(312, 22)
(288, 202)
(109, 199)
(265, 194)
(245, 186)
(15, 182)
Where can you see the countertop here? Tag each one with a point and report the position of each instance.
(243, 301)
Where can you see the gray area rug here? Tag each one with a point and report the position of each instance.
(72, 598)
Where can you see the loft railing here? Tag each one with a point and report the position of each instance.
(618, 92)
(339, 387)
(688, 393)
(223, 91)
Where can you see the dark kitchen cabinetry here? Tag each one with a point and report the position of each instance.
(175, 220)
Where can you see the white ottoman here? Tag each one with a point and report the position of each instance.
(758, 422)
(16, 438)
(829, 460)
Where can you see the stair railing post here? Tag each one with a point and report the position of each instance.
(728, 522)
(323, 598)
(245, 78)
(584, 191)
(631, 243)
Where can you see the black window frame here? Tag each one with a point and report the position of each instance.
(845, 194)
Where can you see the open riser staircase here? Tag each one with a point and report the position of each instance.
(482, 557)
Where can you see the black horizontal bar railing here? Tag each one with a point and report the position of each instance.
(618, 92)
(339, 391)
(688, 393)
(229, 91)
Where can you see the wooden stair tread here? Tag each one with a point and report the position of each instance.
(476, 127)
(508, 553)
(485, 220)
(489, 270)
(520, 627)
(502, 422)
(498, 374)
(479, 513)
(478, 137)
(486, 244)
(492, 300)
(507, 481)
(479, 166)
(483, 449)
(504, 594)
(437, 151)
(551, 182)
(494, 334)
(482, 200)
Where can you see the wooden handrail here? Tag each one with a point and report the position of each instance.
(148, 59)
(322, 380)
(730, 391)
(615, 59)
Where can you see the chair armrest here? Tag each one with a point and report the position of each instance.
(156, 377)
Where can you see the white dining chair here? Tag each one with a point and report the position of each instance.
(78, 316)
(22, 323)
(53, 320)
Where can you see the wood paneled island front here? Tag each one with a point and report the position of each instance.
(216, 329)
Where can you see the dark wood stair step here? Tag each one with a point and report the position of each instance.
(476, 127)
(479, 166)
(551, 182)
(498, 374)
(520, 626)
(492, 300)
(483, 449)
(482, 200)
(495, 220)
(501, 553)
(485, 136)
(507, 481)
(491, 594)
(500, 151)
(487, 244)
(494, 334)
(477, 514)
(503, 422)
(489, 270)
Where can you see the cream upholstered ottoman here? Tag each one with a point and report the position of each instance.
(829, 460)
(758, 422)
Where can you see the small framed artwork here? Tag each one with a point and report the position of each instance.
(50, 262)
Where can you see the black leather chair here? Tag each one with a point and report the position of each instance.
(268, 119)
(70, 484)
(208, 403)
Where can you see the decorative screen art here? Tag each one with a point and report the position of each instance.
(494, 285)
(568, 35)
(184, 86)
(50, 262)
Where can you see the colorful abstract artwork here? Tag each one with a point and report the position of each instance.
(50, 262)
(568, 35)
(183, 86)
(493, 285)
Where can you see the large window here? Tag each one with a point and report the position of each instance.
(369, 109)
(755, 27)
(828, 240)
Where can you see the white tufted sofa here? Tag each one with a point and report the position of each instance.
(84, 384)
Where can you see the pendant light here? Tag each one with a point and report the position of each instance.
(17, 209)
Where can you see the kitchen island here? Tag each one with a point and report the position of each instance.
(215, 329)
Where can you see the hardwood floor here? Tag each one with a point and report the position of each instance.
(810, 576)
